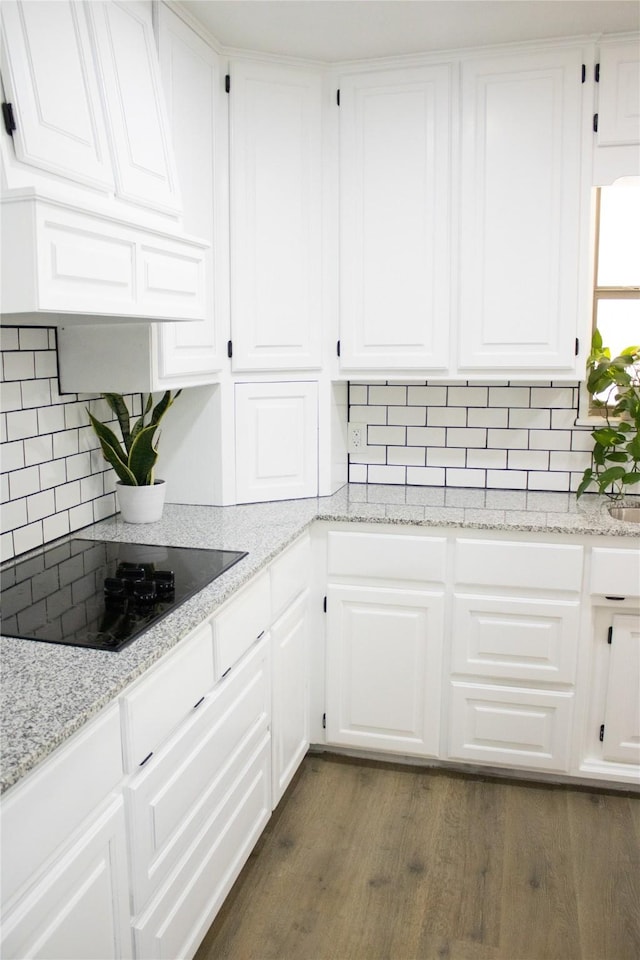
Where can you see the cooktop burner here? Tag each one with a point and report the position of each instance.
(100, 594)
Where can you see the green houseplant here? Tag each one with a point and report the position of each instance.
(140, 495)
(615, 459)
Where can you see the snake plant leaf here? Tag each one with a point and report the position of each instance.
(163, 405)
(119, 407)
(107, 436)
(140, 422)
(143, 456)
(113, 453)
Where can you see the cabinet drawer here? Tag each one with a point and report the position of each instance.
(40, 814)
(387, 556)
(290, 575)
(240, 624)
(515, 639)
(160, 701)
(544, 566)
(615, 573)
(187, 780)
(510, 726)
(177, 920)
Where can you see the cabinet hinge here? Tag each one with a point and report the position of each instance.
(229, 349)
(8, 117)
(610, 635)
(227, 83)
(324, 721)
(338, 97)
(596, 73)
(577, 346)
(601, 736)
(584, 72)
(338, 348)
(595, 123)
(324, 604)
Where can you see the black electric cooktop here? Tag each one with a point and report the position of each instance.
(100, 594)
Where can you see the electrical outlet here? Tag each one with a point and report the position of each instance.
(357, 437)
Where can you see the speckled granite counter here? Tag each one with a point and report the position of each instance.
(49, 691)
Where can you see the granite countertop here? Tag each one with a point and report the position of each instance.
(49, 690)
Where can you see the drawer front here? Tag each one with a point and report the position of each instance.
(238, 626)
(615, 573)
(530, 640)
(187, 780)
(387, 556)
(160, 701)
(290, 575)
(40, 814)
(542, 566)
(177, 920)
(510, 726)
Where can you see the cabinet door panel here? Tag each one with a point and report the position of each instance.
(276, 296)
(59, 120)
(276, 441)
(395, 169)
(622, 714)
(515, 639)
(80, 910)
(509, 726)
(384, 669)
(618, 94)
(143, 157)
(520, 211)
(290, 730)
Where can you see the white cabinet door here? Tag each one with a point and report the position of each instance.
(384, 649)
(143, 155)
(521, 149)
(276, 441)
(275, 149)
(80, 908)
(619, 94)
(395, 176)
(510, 726)
(190, 352)
(49, 77)
(621, 739)
(290, 728)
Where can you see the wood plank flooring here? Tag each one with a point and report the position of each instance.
(369, 861)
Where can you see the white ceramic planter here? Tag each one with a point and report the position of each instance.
(141, 504)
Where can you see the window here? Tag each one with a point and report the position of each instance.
(616, 296)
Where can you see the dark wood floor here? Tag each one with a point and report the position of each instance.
(367, 861)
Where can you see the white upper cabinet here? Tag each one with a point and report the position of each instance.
(193, 88)
(395, 190)
(59, 125)
(143, 157)
(521, 206)
(619, 93)
(275, 199)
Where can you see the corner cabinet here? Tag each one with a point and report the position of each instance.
(522, 210)
(395, 213)
(275, 131)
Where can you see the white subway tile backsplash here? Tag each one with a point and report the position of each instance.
(36, 393)
(46, 475)
(38, 449)
(360, 414)
(18, 366)
(40, 505)
(33, 338)
(499, 436)
(24, 482)
(386, 435)
(446, 417)
(357, 394)
(389, 396)
(386, 474)
(21, 424)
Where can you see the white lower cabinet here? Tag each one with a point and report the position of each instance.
(65, 891)
(290, 728)
(384, 669)
(621, 727)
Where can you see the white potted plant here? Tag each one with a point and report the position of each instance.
(140, 495)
